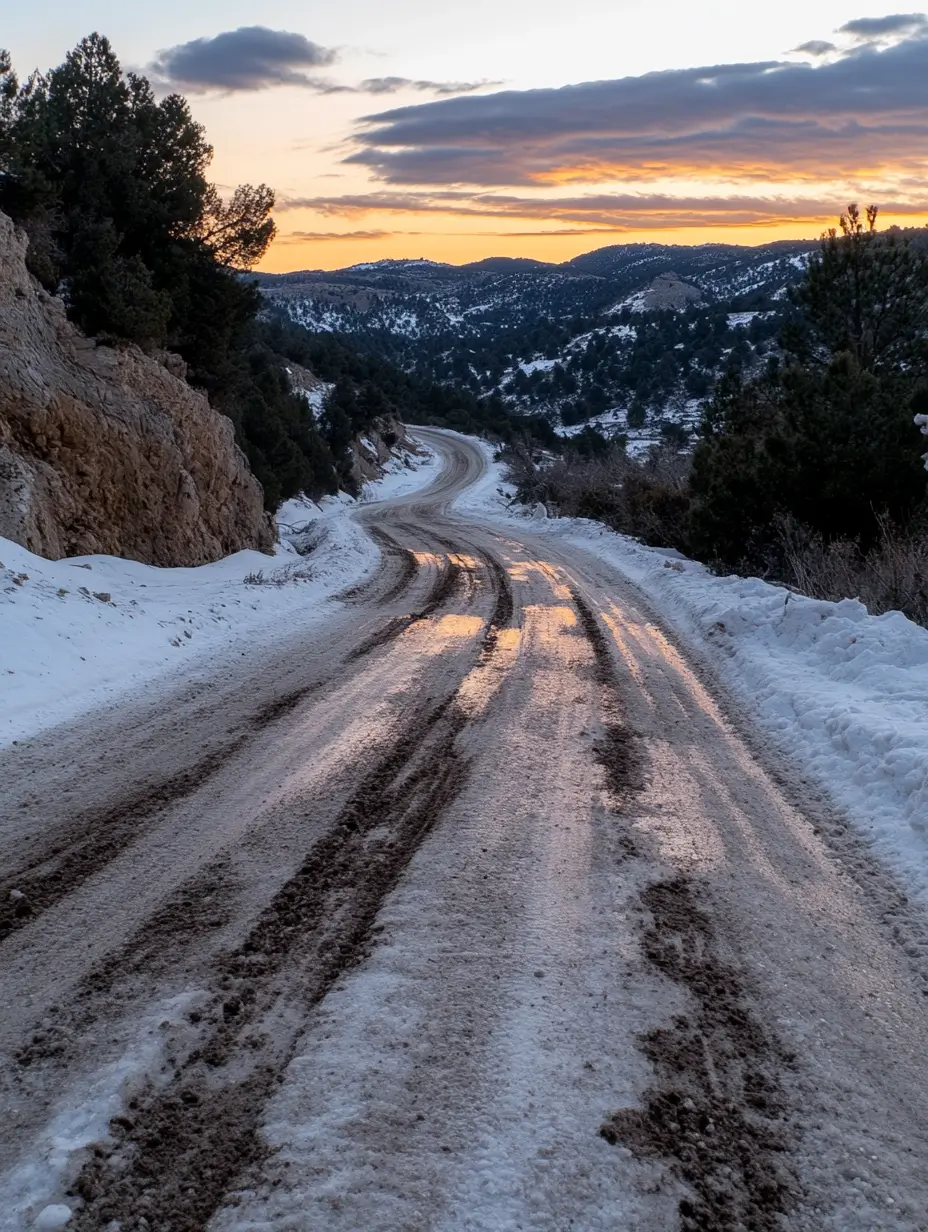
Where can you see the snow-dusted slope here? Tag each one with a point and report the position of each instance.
(649, 326)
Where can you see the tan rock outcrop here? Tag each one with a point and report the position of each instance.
(385, 441)
(108, 450)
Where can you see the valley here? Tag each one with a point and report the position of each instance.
(628, 339)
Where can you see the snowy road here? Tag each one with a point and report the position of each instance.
(482, 909)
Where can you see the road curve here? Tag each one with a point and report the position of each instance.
(482, 908)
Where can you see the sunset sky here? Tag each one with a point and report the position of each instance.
(403, 128)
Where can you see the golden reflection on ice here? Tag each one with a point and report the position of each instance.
(651, 642)
(704, 782)
(455, 624)
(508, 639)
(482, 683)
(625, 650)
(432, 637)
(545, 621)
(521, 571)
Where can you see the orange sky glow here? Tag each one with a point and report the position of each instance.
(528, 128)
(399, 237)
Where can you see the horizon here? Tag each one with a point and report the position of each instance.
(528, 132)
(500, 256)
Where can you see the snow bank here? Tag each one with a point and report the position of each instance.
(75, 633)
(78, 632)
(844, 694)
(404, 475)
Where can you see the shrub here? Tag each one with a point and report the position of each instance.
(648, 499)
(891, 576)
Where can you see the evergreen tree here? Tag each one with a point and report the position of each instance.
(826, 437)
(111, 187)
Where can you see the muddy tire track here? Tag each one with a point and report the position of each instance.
(409, 567)
(170, 937)
(443, 589)
(283, 705)
(718, 1111)
(95, 837)
(620, 751)
(500, 583)
(505, 604)
(183, 1145)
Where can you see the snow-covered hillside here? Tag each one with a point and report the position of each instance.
(641, 327)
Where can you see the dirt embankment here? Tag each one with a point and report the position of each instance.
(105, 450)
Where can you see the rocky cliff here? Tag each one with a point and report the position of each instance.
(106, 450)
(385, 443)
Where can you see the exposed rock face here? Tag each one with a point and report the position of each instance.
(105, 450)
(310, 386)
(384, 442)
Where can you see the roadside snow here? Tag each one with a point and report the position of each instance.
(76, 633)
(29, 1191)
(844, 694)
(404, 475)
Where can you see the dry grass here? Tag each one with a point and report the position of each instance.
(648, 499)
(279, 577)
(891, 576)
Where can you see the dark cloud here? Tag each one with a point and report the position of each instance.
(867, 108)
(392, 85)
(899, 24)
(816, 47)
(255, 58)
(597, 211)
(250, 58)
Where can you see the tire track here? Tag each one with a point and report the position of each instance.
(718, 1112)
(183, 1145)
(500, 582)
(64, 864)
(201, 906)
(409, 567)
(102, 833)
(443, 589)
(619, 752)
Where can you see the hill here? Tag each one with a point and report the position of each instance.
(629, 336)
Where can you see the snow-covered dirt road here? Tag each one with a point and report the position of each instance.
(481, 907)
